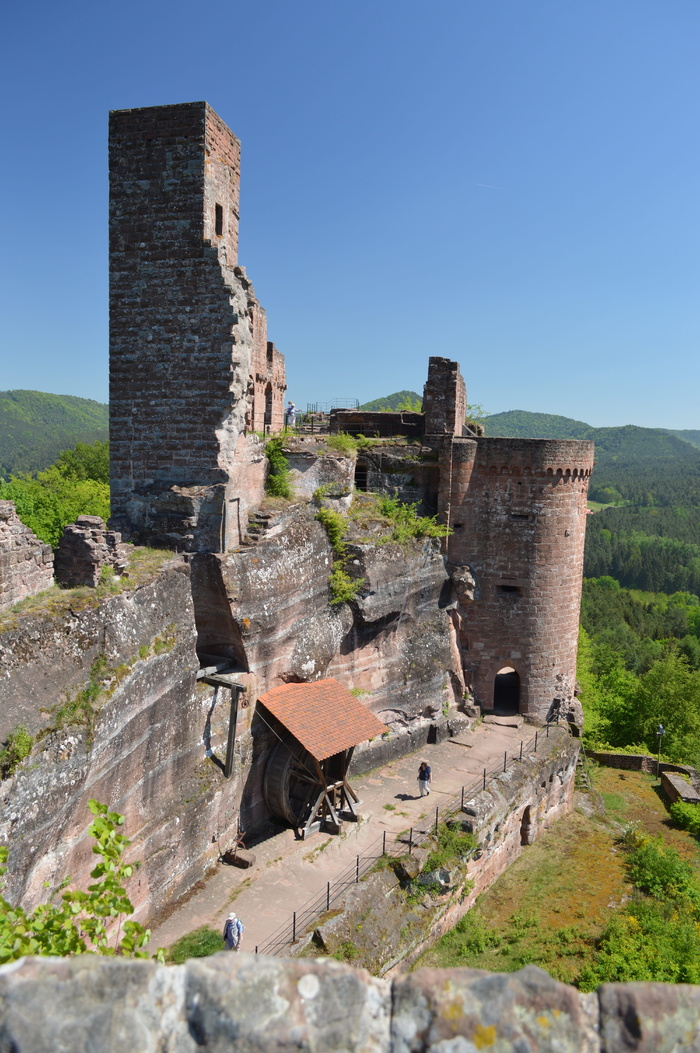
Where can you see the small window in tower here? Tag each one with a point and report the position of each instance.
(509, 588)
(519, 515)
(458, 526)
(219, 220)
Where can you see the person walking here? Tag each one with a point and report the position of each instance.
(233, 932)
(425, 777)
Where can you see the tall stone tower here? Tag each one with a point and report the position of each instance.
(517, 510)
(188, 338)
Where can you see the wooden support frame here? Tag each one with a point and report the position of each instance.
(336, 799)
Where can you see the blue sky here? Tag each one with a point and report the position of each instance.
(511, 183)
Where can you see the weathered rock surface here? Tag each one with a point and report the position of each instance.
(140, 745)
(264, 1005)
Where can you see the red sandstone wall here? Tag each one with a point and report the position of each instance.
(518, 515)
(185, 326)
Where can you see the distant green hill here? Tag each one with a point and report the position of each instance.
(36, 426)
(392, 402)
(520, 424)
(626, 445)
(692, 437)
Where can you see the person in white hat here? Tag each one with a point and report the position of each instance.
(233, 932)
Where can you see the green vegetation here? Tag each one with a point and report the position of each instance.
(35, 427)
(342, 443)
(277, 483)
(406, 524)
(343, 588)
(400, 401)
(452, 845)
(196, 944)
(592, 906)
(687, 816)
(94, 921)
(639, 665)
(16, 747)
(655, 937)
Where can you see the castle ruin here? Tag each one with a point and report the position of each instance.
(179, 663)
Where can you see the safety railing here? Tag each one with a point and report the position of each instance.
(401, 844)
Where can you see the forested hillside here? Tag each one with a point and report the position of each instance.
(400, 400)
(35, 427)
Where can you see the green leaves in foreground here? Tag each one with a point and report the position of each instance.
(84, 921)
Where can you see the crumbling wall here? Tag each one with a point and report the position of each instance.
(186, 329)
(444, 398)
(85, 549)
(259, 1004)
(26, 563)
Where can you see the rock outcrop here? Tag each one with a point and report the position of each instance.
(259, 1005)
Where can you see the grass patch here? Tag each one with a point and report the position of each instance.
(342, 443)
(277, 483)
(143, 566)
(343, 588)
(196, 944)
(16, 747)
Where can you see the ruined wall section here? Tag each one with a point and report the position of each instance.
(181, 340)
(26, 563)
(444, 398)
(518, 515)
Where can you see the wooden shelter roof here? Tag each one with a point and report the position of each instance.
(324, 717)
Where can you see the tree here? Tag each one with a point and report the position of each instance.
(92, 921)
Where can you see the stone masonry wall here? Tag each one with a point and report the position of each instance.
(185, 327)
(260, 1005)
(444, 398)
(517, 509)
(26, 563)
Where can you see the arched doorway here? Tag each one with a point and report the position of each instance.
(506, 692)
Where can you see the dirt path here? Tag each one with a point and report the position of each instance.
(287, 872)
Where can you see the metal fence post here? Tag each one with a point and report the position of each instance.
(484, 778)
(505, 759)
(328, 896)
(462, 804)
(357, 870)
(535, 742)
(256, 948)
(436, 820)
(294, 927)
(410, 840)
(521, 749)
(384, 843)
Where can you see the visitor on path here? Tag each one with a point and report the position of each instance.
(291, 413)
(425, 777)
(233, 933)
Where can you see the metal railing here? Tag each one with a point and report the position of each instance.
(326, 407)
(401, 844)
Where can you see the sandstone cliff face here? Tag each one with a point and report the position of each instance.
(139, 746)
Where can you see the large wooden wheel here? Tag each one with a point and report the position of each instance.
(291, 784)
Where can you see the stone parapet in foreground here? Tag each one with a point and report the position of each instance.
(249, 1004)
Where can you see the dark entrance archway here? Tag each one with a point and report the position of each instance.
(506, 692)
(268, 408)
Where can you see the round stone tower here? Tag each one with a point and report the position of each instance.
(517, 509)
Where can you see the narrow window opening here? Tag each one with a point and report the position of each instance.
(519, 515)
(458, 526)
(361, 475)
(508, 588)
(219, 220)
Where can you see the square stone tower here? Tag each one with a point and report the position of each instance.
(187, 334)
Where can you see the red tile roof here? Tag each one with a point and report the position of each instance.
(323, 716)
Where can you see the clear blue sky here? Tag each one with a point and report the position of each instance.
(511, 183)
